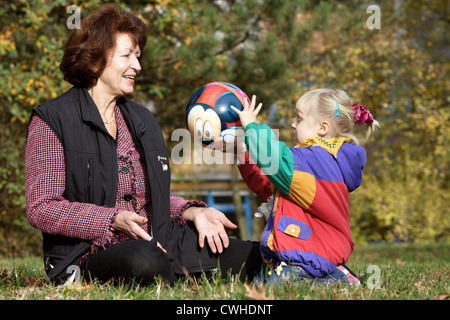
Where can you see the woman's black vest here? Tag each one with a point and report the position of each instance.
(91, 166)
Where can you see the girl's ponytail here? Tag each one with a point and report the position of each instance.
(363, 116)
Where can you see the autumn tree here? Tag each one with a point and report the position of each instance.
(276, 50)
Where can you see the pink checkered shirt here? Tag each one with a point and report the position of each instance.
(50, 212)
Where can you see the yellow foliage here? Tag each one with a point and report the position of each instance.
(391, 209)
(406, 179)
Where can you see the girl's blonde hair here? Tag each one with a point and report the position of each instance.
(336, 107)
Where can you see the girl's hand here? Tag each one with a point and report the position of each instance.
(248, 115)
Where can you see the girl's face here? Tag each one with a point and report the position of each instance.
(117, 78)
(305, 127)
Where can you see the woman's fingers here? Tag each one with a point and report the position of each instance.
(129, 223)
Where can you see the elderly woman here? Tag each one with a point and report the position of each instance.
(97, 174)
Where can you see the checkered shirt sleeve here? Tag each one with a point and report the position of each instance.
(50, 212)
(47, 209)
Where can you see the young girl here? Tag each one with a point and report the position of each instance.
(307, 235)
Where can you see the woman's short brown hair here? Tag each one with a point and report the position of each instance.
(86, 51)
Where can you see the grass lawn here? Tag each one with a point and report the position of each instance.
(390, 272)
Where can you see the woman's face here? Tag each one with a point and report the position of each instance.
(118, 76)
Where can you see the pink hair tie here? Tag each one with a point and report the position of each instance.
(362, 115)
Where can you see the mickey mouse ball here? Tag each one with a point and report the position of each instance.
(209, 117)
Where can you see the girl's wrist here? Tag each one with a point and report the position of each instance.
(249, 125)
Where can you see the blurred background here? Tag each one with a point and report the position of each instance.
(393, 58)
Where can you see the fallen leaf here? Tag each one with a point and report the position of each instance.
(400, 262)
(257, 293)
(421, 284)
(52, 296)
(34, 282)
(78, 286)
(25, 292)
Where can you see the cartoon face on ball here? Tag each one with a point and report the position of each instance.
(209, 117)
(205, 125)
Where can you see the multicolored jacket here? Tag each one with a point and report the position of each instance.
(309, 222)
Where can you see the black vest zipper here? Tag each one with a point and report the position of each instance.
(89, 180)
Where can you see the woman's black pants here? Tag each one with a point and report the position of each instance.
(141, 261)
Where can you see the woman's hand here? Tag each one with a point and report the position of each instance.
(129, 223)
(248, 115)
(210, 223)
